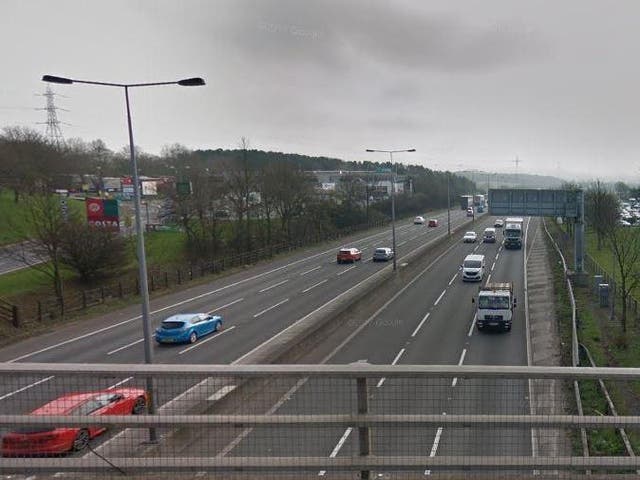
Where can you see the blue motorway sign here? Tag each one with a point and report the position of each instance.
(534, 202)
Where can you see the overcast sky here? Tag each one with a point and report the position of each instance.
(469, 84)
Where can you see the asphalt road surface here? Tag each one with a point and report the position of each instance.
(432, 322)
(256, 304)
(10, 258)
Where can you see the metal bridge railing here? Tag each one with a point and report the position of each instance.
(318, 420)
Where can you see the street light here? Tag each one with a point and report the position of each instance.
(142, 260)
(393, 201)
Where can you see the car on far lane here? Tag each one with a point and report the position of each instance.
(470, 212)
(418, 220)
(187, 327)
(47, 440)
(433, 222)
(470, 237)
(499, 223)
(349, 255)
(382, 254)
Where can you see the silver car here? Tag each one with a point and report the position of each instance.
(382, 254)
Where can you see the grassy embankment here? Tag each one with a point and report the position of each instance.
(608, 345)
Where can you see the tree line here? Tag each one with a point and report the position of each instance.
(238, 200)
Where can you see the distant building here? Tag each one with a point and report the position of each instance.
(378, 185)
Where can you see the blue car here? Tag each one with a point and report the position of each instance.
(187, 327)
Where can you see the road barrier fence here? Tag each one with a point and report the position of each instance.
(273, 421)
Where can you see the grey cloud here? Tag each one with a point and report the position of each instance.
(337, 34)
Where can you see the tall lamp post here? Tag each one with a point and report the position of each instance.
(142, 260)
(393, 201)
(448, 203)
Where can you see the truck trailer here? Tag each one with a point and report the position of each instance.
(466, 201)
(513, 232)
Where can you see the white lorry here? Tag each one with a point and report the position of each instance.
(513, 232)
(496, 304)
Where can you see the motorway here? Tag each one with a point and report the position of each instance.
(256, 305)
(430, 322)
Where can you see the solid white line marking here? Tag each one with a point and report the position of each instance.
(337, 448)
(493, 266)
(455, 380)
(270, 308)
(221, 393)
(415, 332)
(440, 297)
(395, 360)
(312, 270)
(464, 353)
(273, 286)
(202, 342)
(434, 448)
(125, 346)
(488, 278)
(453, 278)
(497, 256)
(119, 383)
(27, 387)
(346, 270)
(401, 243)
(314, 286)
(477, 247)
(473, 322)
(217, 309)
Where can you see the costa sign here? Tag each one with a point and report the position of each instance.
(103, 213)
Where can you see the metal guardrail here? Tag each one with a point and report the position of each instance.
(275, 411)
(575, 355)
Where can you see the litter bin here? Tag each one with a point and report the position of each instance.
(603, 294)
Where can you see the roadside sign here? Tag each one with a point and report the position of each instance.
(103, 213)
(534, 202)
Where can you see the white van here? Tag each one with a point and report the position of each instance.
(473, 268)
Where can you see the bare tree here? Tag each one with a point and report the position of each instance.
(625, 244)
(92, 252)
(26, 160)
(242, 183)
(198, 214)
(601, 210)
(292, 191)
(46, 224)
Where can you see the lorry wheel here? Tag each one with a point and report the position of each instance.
(508, 329)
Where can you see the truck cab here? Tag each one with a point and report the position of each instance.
(495, 305)
(513, 232)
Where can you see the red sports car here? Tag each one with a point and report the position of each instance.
(349, 255)
(44, 440)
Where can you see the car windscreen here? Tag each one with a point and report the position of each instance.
(472, 264)
(172, 325)
(381, 250)
(493, 302)
(89, 406)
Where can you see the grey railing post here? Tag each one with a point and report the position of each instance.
(364, 436)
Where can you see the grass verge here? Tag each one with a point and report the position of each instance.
(608, 348)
